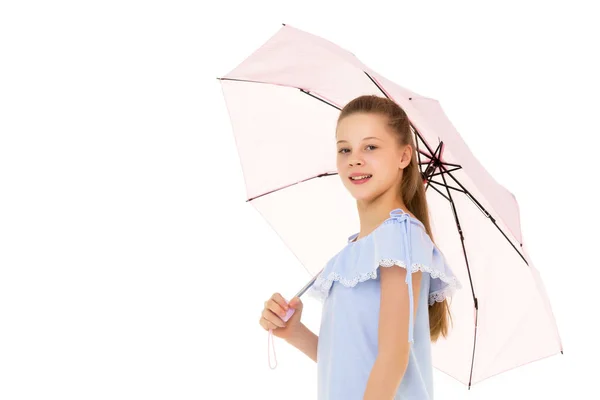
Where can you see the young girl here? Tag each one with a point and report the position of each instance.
(385, 293)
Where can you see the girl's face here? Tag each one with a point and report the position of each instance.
(366, 146)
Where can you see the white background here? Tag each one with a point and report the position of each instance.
(131, 266)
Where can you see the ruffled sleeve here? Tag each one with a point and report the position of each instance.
(443, 282)
(399, 241)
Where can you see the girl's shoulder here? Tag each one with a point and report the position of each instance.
(401, 240)
(398, 225)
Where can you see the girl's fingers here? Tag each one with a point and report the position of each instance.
(264, 323)
(277, 298)
(276, 308)
(267, 324)
(274, 319)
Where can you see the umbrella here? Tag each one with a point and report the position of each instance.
(283, 102)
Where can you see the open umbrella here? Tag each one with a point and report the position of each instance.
(284, 100)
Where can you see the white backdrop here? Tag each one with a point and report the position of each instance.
(131, 266)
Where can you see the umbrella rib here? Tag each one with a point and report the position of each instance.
(437, 190)
(462, 240)
(446, 185)
(376, 84)
(320, 99)
(240, 80)
(421, 152)
(487, 214)
(292, 184)
(432, 165)
(452, 165)
(410, 98)
(422, 162)
(443, 172)
(291, 87)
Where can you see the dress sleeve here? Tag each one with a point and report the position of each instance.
(403, 243)
(399, 241)
(443, 281)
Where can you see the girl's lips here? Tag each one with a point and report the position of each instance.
(360, 182)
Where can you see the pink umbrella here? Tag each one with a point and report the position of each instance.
(284, 101)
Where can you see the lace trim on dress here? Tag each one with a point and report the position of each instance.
(323, 285)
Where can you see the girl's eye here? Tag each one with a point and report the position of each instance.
(342, 150)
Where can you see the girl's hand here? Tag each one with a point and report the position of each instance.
(272, 316)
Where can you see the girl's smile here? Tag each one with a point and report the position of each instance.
(359, 178)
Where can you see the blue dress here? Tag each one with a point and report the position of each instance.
(349, 287)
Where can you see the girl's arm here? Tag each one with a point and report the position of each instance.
(305, 340)
(393, 345)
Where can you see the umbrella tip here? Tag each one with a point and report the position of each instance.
(283, 24)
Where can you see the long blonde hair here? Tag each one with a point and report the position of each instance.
(412, 188)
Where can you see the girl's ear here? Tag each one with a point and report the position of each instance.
(406, 156)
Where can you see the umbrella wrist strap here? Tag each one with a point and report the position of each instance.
(270, 341)
(269, 345)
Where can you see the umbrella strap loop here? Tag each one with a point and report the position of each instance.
(270, 343)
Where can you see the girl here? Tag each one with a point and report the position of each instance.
(385, 293)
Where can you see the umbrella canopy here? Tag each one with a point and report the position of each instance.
(284, 101)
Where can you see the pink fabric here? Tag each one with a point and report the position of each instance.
(284, 137)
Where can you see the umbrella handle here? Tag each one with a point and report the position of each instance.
(270, 343)
(288, 314)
